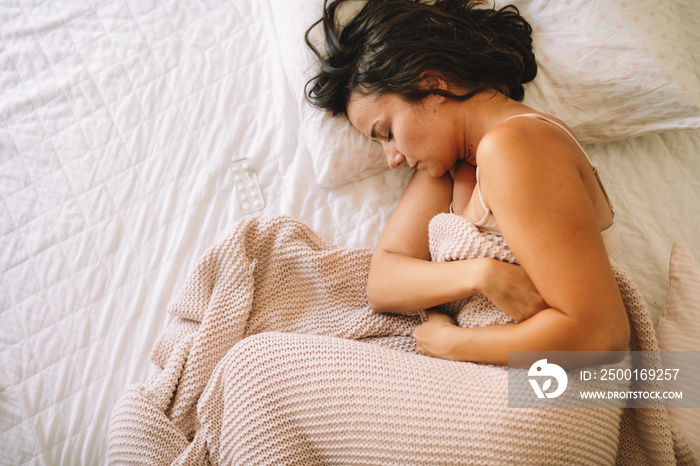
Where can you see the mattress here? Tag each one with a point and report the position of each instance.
(118, 125)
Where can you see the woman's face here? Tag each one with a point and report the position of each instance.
(422, 135)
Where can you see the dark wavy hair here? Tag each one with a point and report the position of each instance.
(390, 45)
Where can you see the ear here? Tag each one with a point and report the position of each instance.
(434, 80)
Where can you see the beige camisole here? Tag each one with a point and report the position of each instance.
(610, 235)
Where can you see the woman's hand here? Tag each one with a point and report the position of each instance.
(511, 290)
(433, 337)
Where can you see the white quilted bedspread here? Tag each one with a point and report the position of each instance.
(118, 122)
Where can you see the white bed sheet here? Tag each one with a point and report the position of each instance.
(654, 184)
(118, 121)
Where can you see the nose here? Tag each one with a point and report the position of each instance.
(394, 158)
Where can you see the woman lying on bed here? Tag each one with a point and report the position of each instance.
(439, 86)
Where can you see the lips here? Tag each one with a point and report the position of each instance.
(411, 165)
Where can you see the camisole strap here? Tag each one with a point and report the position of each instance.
(565, 129)
(487, 222)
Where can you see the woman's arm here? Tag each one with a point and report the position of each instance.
(401, 277)
(537, 194)
(548, 330)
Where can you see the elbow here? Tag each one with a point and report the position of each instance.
(618, 338)
(613, 338)
(377, 289)
(611, 348)
(605, 339)
(380, 298)
(622, 343)
(374, 298)
(617, 331)
(603, 346)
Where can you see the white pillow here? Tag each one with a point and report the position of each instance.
(679, 327)
(339, 152)
(610, 70)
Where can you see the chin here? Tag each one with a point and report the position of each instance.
(437, 172)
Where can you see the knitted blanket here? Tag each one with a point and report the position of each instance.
(274, 357)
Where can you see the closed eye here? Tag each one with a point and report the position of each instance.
(389, 136)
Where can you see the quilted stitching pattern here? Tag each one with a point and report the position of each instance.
(118, 121)
(117, 124)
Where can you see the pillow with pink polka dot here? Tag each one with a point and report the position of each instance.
(610, 69)
(613, 69)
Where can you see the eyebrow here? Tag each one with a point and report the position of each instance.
(374, 131)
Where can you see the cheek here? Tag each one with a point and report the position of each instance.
(420, 137)
(444, 133)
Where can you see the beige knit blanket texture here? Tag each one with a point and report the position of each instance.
(275, 357)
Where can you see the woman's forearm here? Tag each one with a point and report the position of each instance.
(548, 330)
(402, 284)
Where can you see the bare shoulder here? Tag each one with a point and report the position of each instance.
(524, 141)
(531, 177)
(527, 159)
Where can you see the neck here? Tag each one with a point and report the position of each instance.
(482, 113)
